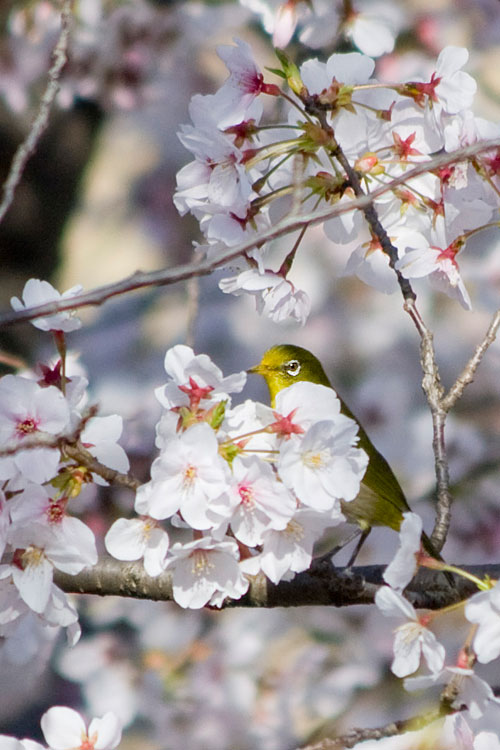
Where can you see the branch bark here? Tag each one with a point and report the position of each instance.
(323, 584)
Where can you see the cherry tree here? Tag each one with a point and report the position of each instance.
(179, 561)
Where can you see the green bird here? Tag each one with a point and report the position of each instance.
(381, 501)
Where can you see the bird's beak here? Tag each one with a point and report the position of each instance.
(255, 370)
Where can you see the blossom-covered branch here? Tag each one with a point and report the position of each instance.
(322, 585)
(287, 225)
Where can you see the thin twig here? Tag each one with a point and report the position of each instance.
(78, 453)
(431, 385)
(164, 277)
(40, 122)
(193, 303)
(467, 375)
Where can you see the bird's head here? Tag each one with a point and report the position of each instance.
(286, 364)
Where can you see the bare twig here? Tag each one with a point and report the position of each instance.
(11, 360)
(193, 303)
(27, 147)
(431, 384)
(467, 375)
(164, 277)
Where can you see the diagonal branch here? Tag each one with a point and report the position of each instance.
(28, 146)
(167, 276)
(467, 375)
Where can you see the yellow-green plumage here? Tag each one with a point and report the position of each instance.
(381, 501)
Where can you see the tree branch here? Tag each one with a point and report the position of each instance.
(351, 738)
(323, 584)
(164, 277)
(467, 375)
(39, 124)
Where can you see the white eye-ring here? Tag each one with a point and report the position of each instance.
(293, 367)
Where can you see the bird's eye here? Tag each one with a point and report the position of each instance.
(293, 367)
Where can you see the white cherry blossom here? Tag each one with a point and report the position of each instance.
(324, 466)
(472, 692)
(289, 551)
(403, 566)
(483, 609)
(413, 639)
(186, 477)
(64, 729)
(203, 568)
(195, 377)
(28, 410)
(37, 292)
(260, 501)
(133, 538)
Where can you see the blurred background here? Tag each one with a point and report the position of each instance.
(94, 205)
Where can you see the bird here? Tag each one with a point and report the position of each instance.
(381, 500)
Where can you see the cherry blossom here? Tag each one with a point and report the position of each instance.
(289, 551)
(99, 437)
(64, 729)
(323, 467)
(260, 502)
(131, 539)
(309, 403)
(439, 264)
(186, 477)
(195, 377)
(203, 568)
(28, 410)
(38, 292)
(245, 82)
(413, 639)
(483, 609)
(472, 691)
(274, 296)
(403, 566)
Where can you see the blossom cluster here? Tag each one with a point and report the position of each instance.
(250, 171)
(257, 485)
(242, 490)
(40, 414)
(414, 639)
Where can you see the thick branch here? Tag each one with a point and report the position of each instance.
(323, 585)
(28, 146)
(164, 277)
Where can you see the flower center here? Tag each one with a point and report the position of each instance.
(201, 562)
(190, 474)
(26, 427)
(315, 459)
(246, 494)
